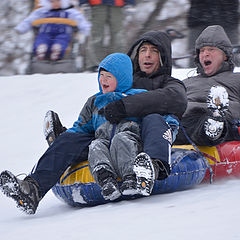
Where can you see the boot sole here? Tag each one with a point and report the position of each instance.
(145, 175)
(11, 188)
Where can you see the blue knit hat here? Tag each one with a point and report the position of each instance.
(120, 66)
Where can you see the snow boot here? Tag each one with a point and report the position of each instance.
(24, 192)
(52, 127)
(129, 185)
(108, 184)
(217, 104)
(145, 173)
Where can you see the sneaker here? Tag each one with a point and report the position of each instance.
(108, 184)
(110, 190)
(24, 192)
(217, 101)
(52, 127)
(129, 185)
(145, 174)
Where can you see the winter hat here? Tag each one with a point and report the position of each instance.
(163, 43)
(148, 42)
(214, 36)
(47, 4)
(120, 66)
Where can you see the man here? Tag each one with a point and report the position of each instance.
(212, 115)
(159, 107)
(106, 13)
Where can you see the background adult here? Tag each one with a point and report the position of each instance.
(106, 15)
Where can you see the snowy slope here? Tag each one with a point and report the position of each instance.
(205, 212)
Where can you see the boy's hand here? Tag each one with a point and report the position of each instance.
(114, 112)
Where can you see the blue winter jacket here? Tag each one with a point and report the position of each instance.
(120, 66)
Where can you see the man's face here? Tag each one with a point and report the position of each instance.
(149, 58)
(108, 82)
(211, 59)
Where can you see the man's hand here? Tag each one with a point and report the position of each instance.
(114, 112)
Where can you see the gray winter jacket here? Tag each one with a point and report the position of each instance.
(213, 36)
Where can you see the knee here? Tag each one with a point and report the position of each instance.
(41, 51)
(56, 52)
(152, 119)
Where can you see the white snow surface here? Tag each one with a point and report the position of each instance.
(204, 212)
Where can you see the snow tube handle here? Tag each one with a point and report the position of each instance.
(54, 20)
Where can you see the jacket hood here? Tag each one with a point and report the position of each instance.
(162, 42)
(47, 4)
(120, 66)
(214, 36)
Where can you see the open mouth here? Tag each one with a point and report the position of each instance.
(105, 86)
(147, 64)
(207, 63)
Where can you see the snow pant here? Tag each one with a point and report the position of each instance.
(49, 39)
(158, 134)
(194, 127)
(105, 16)
(66, 150)
(115, 149)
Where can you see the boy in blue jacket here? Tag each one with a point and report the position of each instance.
(115, 147)
(111, 154)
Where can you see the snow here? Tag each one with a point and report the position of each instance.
(204, 212)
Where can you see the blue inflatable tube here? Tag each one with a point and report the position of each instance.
(188, 170)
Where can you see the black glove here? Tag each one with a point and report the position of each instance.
(114, 112)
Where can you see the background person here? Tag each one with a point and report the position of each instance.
(53, 39)
(105, 15)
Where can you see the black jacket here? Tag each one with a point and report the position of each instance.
(165, 95)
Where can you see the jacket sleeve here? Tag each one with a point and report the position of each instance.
(26, 24)
(171, 99)
(84, 122)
